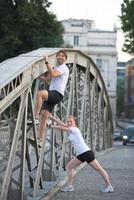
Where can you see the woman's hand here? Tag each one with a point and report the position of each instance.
(51, 117)
(58, 122)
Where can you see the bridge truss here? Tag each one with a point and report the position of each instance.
(25, 171)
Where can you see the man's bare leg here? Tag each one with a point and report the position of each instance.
(41, 96)
(43, 121)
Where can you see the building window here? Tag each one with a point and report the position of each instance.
(99, 63)
(77, 25)
(76, 40)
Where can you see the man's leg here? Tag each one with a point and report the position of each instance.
(95, 164)
(43, 121)
(41, 96)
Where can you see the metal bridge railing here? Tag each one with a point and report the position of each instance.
(26, 172)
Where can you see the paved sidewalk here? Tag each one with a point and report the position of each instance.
(119, 163)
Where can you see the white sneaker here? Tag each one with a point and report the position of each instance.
(108, 189)
(36, 121)
(67, 189)
(40, 142)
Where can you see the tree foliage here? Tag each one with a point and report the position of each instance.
(27, 25)
(120, 96)
(127, 21)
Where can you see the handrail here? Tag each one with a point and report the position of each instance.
(85, 96)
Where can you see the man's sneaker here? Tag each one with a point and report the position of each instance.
(67, 189)
(35, 119)
(40, 142)
(108, 189)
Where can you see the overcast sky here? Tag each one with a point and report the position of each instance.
(104, 12)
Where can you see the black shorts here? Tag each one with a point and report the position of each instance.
(54, 97)
(87, 156)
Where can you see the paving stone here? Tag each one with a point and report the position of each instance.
(119, 163)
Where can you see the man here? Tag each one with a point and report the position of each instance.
(46, 100)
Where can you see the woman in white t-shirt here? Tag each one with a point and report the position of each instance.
(83, 153)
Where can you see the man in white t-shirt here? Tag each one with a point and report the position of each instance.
(46, 100)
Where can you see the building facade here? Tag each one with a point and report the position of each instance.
(100, 45)
(121, 70)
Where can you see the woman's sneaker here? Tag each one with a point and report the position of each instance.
(67, 189)
(108, 189)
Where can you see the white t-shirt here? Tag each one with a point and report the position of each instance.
(77, 140)
(59, 83)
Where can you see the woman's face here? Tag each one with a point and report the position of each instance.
(61, 58)
(70, 122)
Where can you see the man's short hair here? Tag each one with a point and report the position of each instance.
(62, 51)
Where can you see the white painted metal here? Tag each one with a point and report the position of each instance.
(85, 97)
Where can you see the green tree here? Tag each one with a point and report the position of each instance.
(8, 38)
(120, 96)
(27, 25)
(127, 25)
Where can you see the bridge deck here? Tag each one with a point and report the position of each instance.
(118, 163)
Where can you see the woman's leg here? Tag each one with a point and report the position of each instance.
(95, 164)
(41, 96)
(70, 166)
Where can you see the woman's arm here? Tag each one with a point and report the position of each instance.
(59, 122)
(59, 127)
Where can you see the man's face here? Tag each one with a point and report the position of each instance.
(61, 58)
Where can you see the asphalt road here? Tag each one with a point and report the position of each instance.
(119, 163)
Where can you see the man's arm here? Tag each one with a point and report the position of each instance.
(52, 72)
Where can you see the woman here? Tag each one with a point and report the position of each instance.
(83, 152)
